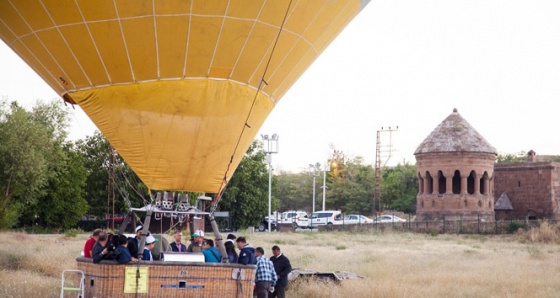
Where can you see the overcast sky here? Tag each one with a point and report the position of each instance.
(408, 64)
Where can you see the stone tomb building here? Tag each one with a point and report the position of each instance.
(455, 173)
(458, 179)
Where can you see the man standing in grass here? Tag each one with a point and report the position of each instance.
(282, 267)
(265, 276)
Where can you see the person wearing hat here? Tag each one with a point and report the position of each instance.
(196, 242)
(150, 243)
(134, 243)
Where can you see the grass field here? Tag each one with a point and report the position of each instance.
(526, 264)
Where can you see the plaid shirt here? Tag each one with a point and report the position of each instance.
(265, 271)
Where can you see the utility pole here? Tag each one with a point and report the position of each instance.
(382, 155)
(111, 189)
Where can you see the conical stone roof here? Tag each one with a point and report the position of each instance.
(454, 134)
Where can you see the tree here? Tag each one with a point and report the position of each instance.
(246, 195)
(294, 191)
(399, 188)
(128, 187)
(351, 189)
(64, 203)
(30, 143)
(512, 158)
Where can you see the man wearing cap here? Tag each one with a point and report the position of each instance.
(88, 247)
(150, 243)
(134, 243)
(197, 242)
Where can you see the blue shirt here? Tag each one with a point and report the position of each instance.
(124, 255)
(147, 255)
(265, 271)
(212, 255)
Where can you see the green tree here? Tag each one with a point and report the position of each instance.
(246, 195)
(64, 203)
(351, 186)
(30, 145)
(294, 191)
(128, 187)
(512, 158)
(399, 188)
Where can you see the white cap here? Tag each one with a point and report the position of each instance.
(198, 233)
(150, 239)
(138, 228)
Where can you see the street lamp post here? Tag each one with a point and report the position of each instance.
(315, 168)
(325, 169)
(270, 145)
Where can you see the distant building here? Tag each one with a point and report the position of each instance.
(532, 188)
(455, 170)
(458, 179)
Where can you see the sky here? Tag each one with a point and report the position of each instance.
(402, 63)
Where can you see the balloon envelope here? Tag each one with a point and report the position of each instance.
(180, 88)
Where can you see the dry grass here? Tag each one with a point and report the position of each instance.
(396, 264)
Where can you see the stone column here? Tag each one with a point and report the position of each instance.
(449, 183)
(464, 185)
(476, 185)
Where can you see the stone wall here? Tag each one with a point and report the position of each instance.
(533, 188)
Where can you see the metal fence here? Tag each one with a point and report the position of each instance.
(443, 226)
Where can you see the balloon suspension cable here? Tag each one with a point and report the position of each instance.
(224, 180)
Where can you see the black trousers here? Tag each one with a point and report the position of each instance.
(262, 289)
(279, 292)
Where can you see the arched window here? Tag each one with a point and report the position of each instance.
(420, 184)
(483, 184)
(442, 183)
(429, 184)
(470, 182)
(457, 182)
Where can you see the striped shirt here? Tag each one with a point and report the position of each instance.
(265, 271)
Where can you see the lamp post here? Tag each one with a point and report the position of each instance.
(315, 168)
(326, 168)
(270, 145)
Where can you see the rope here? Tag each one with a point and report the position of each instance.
(224, 180)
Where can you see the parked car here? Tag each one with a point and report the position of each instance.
(298, 219)
(321, 218)
(357, 219)
(388, 218)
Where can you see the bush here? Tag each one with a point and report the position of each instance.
(73, 232)
(514, 226)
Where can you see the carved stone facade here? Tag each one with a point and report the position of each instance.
(455, 173)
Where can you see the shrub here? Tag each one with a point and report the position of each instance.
(514, 226)
(434, 233)
(73, 232)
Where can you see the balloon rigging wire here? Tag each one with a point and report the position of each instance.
(224, 180)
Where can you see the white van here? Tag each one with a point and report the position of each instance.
(329, 217)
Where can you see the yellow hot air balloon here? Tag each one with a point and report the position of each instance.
(180, 88)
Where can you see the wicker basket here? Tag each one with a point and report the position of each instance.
(167, 279)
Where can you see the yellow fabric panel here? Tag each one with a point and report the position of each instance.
(273, 13)
(256, 48)
(172, 45)
(33, 13)
(13, 20)
(110, 44)
(70, 14)
(339, 20)
(245, 9)
(284, 72)
(172, 7)
(82, 47)
(37, 66)
(294, 74)
(304, 13)
(69, 68)
(6, 34)
(175, 139)
(202, 42)
(132, 9)
(210, 8)
(285, 43)
(232, 39)
(92, 12)
(141, 45)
